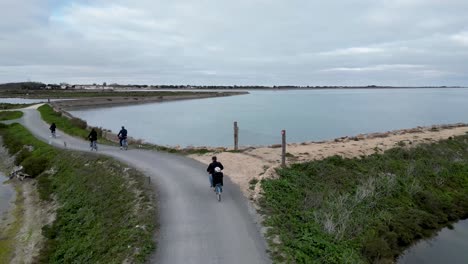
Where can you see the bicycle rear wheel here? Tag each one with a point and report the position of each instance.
(218, 193)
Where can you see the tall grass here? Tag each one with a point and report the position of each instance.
(10, 115)
(366, 210)
(106, 213)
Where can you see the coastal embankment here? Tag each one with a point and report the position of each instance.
(256, 163)
(136, 98)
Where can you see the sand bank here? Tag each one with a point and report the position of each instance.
(257, 163)
(95, 102)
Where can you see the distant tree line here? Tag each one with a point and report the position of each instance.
(23, 86)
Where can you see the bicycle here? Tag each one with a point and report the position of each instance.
(53, 134)
(218, 190)
(124, 144)
(93, 145)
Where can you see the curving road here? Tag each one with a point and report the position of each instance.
(195, 228)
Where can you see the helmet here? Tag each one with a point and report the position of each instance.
(217, 169)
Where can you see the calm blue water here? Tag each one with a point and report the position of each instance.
(449, 246)
(306, 115)
(21, 100)
(6, 195)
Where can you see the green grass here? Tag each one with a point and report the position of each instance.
(6, 106)
(10, 115)
(75, 126)
(106, 212)
(366, 210)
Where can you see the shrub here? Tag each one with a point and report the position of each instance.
(34, 166)
(21, 156)
(79, 123)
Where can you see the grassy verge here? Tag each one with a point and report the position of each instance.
(10, 115)
(106, 212)
(6, 106)
(366, 210)
(75, 126)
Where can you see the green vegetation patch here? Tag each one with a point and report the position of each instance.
(6, 106)
(366, 210)
(10, 115)
(106, 212)
(74, 127)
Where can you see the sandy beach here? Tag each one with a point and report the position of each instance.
(251, 164)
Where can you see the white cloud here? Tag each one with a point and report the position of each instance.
(352, 51)
(383, 67)
(234, 42)
(461, 38)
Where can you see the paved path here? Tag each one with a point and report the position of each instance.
(195, 228)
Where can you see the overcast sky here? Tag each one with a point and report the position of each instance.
(243, 42)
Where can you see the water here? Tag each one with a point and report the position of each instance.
(6, 195)
(449, 246)
(306, 115)
(21, 100)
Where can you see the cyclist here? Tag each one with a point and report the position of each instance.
(52, 129)
(122, 136)
(211, 169)
(93, 139)
(218, 178)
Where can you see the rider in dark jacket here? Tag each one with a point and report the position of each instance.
(92, 138)
(217, 177)
(92, 135)
(122, 135)
(211, 168)
(52, 128)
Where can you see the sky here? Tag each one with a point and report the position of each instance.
(242, 42)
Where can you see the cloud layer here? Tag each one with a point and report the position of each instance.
(258, 42)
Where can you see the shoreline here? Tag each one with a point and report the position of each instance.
(249, 165)
(99, 102)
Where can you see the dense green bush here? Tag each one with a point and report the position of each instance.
(10, 115)
(79, 123)
(34, 165)
(21, 156)
(371, 209)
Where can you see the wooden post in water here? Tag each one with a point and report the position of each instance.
(236, 136)
(283, 144)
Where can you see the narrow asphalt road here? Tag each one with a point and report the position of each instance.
(194, 226)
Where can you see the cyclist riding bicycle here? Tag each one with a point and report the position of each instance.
(52, 129)
(93, 139)
(122, 136)
(211, 169)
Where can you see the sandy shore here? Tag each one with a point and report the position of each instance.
(258, 163)
(95, 102)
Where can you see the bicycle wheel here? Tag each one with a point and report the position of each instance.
(218, 193)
